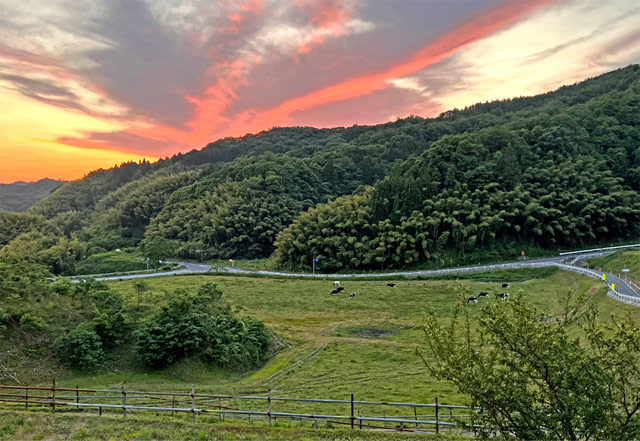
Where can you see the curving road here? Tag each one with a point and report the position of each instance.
(623, 291)
(185, 268)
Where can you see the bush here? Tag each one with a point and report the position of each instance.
(210, 291)
(111, 327)
(533, 377)
(81, 350)
(4, 320)
(32, 323)
(195, 325)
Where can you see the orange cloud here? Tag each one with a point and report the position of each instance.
(463, 35)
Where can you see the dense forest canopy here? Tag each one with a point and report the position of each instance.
(560, 169)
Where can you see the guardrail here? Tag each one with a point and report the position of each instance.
(223, 406)
(620, 247)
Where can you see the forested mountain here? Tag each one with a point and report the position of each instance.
(555, 170)
(19, 196)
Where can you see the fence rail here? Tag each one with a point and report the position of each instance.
(239, 406)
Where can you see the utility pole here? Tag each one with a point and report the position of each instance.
(313, 265)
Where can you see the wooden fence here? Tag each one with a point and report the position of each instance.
(380, 414)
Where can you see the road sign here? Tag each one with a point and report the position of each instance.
(147, 259)
(625, 270)
(317, 259)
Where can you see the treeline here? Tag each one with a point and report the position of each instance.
(559, 177)
(554, 170)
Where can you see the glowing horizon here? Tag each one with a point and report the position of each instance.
(121, 81)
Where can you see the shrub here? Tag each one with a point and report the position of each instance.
(209, 291)
(4, 320)
(195, 325)
(81, 350)
(32, 323)
(111, 327)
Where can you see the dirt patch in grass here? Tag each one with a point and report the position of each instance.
(367, 331)
(371, 332)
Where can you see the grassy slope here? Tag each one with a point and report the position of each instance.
(308, 319)
(336, 330)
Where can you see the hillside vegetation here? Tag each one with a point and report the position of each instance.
(19, 196)
(556, 170)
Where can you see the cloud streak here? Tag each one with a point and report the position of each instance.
(155, 77)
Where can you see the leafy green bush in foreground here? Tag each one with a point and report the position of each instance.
(201, 325)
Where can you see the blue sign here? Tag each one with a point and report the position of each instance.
(317, 259)
(147, 259)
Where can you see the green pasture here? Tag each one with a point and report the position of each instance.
(330, 345)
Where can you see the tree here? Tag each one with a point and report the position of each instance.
(157, 249)
(141, 287)
(532, 378)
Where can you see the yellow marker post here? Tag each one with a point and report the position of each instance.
(613, 286)
(604, 276)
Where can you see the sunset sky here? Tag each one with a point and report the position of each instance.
(86, 84)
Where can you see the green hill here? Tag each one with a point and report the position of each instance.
(19, 196)
(560, 169)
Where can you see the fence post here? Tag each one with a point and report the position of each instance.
(124, 399)
(26, 396)
(53, 395)
(173, 404)
(269, 404)
(437, 415)
(359, 420)
(415, 415)
(384, 417)
(450, 418)
(77, 399)
(352, 418)
(193, 402)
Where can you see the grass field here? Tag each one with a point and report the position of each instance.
(333, 345)
(74, 426)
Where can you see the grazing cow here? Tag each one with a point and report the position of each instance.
(483, 294)
(334, 292)
(352, 295)
(391, 285)
(339, 289)
(336, 283)
(504, 296)
(505, 285)
(472, 300)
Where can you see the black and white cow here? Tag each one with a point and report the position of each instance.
(504, 296)
(472, 300)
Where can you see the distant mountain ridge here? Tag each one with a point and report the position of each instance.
(20, 195)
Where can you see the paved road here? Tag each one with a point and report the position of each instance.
(185, 268)
(624, 291)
